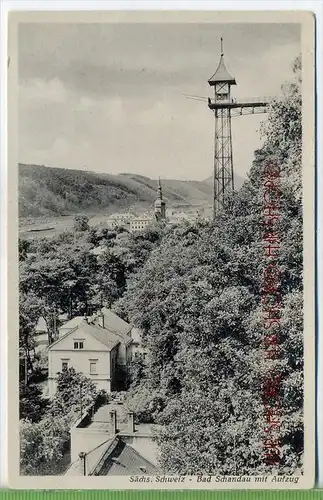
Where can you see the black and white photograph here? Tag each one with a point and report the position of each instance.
(162, 323)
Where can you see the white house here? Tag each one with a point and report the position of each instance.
(100, 346)
(109, 442)
(140, 223)
(130, 336)
(90, 350)
(107, 319)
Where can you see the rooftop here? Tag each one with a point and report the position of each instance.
(110, 332)
(113, 457)
(123, 448)
(115, 324)
(92, 459)
(123, 460)
(221, 75)
(100, 421)
(98, 250)
(72, 323)
(103, 335)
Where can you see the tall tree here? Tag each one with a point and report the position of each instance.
(81, 223)
(29, 312)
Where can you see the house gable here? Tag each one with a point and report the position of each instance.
(78, 334)
(70, 325)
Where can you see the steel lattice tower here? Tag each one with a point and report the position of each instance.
(224, 107)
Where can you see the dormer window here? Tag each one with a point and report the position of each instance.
(78, 344)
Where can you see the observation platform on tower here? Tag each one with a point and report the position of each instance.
(250, 105)
(241, 103)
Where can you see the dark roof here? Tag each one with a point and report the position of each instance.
(106, 337)
(115, 324)
(221, 74)
(72, 323)
(103, 335)
(93, 457)
(123, 460)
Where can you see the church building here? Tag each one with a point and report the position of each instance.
(160, 204)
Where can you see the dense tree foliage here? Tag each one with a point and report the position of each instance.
(30, 309)
(62, 275)
(81, 223)
(32, 405)
(44, 441)
(74, 393)
(43, 444)
(198, 300)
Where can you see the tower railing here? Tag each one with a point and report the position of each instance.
(266, 99)
(243, 102)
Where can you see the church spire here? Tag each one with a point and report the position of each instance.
(159, 190)
(160, 205)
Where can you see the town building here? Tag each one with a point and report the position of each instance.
(160, 204)
(108, 320)
(89, 350)
(140, 223)
(137, 348)
(100, 346)
(110, 442)
(118, 220)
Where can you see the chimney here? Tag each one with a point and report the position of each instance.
(131, 422)
(82, 456)
(101, 320)
(86, 318)
(113, 421)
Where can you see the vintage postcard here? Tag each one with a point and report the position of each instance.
(161, 250)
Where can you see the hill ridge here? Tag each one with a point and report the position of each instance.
(55, 191)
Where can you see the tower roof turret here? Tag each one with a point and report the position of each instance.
(159, 201)
(221, 74)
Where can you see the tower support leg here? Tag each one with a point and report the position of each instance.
(223, 162)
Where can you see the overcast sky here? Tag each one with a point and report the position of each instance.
(109, 97)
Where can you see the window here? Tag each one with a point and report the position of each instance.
(93, 367)
(78, 344)
(64, 364)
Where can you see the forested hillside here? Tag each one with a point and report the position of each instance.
(47, 191)
(198, 300)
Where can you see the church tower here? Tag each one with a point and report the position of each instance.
(160, 205)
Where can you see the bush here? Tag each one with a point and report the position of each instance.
(81, 223)
(32, 405)
(42, 442)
